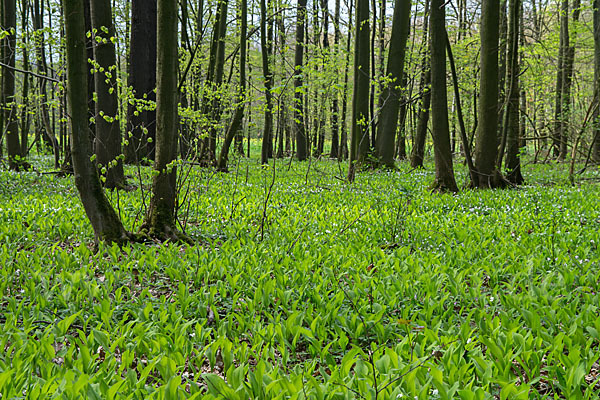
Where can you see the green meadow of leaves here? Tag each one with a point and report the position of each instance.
(302, 286)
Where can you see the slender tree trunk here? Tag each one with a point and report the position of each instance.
(391, 93)
(24, 116)
(359, 145)
(301, 143)
(560, 76)
(502, 66)
(344, 152)
(440, 129)
(105, 221)
(42, 69)
(141, 113)
(107, 144)
(569, 61)
(418, 150)
(266, 44)
(238, 116)
(513, 160)
(596, 135)
(335, 107)
(486, 145)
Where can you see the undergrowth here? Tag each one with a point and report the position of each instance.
(305, 287)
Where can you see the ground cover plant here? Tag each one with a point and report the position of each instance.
(301, 285)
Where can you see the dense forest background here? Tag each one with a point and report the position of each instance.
(286, 74)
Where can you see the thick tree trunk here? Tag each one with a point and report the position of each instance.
(105, 221)
(107, 143)
(440, 129)
(359, 145)
(141, 113)
(486, 144)
(391, 93)
(160, 220)
(9, 107)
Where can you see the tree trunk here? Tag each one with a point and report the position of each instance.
(513, 160)
(107, 144)
(265, 45)
(160, 220)
(335, 107)
(486, 146)
(238, 116)
(440, 129)
(42, 69)
(9, 50)
(301, 142)
(105, 221)
(596, 134)
(344, 151)
(25, 116)
(391, 93)
(569, 61)
(141, 113)
(418, 151)
(359, 145)
(563, 51)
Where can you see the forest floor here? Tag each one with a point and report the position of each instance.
(304, 286)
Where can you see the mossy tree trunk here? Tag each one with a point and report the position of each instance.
(105, 221)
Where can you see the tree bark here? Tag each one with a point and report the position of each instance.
(160, 220)
(105, 221)
(107, 143)
(265, 45)
(513, 160)
(301, 142)
(238, 116)
(141, 111)
(9, 107)
(596, 134)
(418, 151)
(440, 129)
(391, 93)
(486, 144)
(359, 145)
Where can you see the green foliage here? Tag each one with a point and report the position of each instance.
(378, 289)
